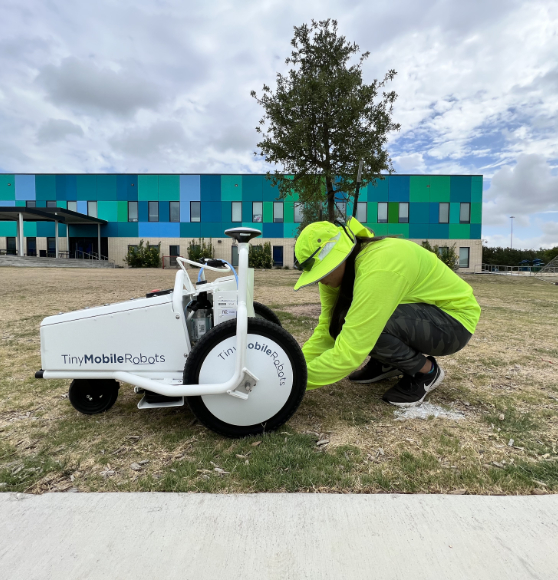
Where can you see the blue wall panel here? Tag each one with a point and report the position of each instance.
(61, 230)
(434, 212)
(212, 230)
(190, 188)
(7, 203)
(419, 212)
(460, 188)
(45, 186)
(399, 187)
(25, 187)
(273, 230)
(476, 231)
(439, 231)
(86, 187)
(82, 207)
(226, 211)
(110, 230)
(45, 229)
(379, 192)
(210, 211)
(158, 229)
(252, 188)
(269, 193)
(419, 231)
(164, 211)
(143, 211)
(106, 188)
(246, 211)
(210, 187)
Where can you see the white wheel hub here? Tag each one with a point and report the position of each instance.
(266, 360)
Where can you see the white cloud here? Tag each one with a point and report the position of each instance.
(57, 130)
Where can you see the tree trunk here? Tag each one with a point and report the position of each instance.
(330, 201)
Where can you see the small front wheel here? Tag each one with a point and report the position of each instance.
(92, 396)
(272, 355)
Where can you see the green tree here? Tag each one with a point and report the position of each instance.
(322, 119)
(144, 256)
(198, 249)
(259, 256)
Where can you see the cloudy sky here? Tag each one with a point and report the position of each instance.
(158, 86)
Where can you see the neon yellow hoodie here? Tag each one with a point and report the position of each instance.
(387, 273)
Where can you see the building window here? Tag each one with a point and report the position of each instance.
(361, 212)
(382, 213)
(51, 203)
(51, 247)
(465, 213)
(174, 210)
(297, 213)
(234, 256)
(403, 213)
(278, 212)
(72, 206)
(132, 247)
(341, 210)
(443, 213)
(31, 204)
(11, 248)
(464, 257)
(195, 211)
(132, 211)
(153, 211)
(91, 208)
(236, 210)
(443, 251)
(257, 211)
(31, 246)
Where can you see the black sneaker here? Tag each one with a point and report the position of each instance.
(411, 391)
(373, 372)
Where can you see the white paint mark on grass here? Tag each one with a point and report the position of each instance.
(425, 411)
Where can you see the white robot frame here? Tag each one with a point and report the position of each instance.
(146, 342)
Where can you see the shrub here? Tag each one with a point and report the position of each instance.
(141, 256)
(260, 256)
(198, 249)
(447, 254)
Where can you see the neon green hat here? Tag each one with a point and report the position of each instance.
(323, 246)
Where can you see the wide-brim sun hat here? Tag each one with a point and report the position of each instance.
(322, 247)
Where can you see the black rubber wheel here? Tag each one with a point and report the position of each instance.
(92, 396)
(273, 355)
(263, 311)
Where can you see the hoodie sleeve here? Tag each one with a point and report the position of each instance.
(376, 296)
(321, 340)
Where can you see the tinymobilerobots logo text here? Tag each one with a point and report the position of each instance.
(140, 359)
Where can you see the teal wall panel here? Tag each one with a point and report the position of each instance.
(231, 187)
(148, 187)
(106, 188)
(252, 187)
(8, 229)
(379, 192)
(7, 187)
(86, 187)
(169, 187)
(454, 213)
(45, 186)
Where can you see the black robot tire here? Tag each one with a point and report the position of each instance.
(268, 331)
(263, 311)
(93, 396)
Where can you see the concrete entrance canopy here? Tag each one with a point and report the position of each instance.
(51, 214)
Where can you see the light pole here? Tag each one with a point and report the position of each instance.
(512, 217)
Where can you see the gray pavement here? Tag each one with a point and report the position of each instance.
(283, 536)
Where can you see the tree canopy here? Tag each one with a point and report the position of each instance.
(322, 119)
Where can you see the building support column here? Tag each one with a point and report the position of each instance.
(99, 241)
(56, 238)
(20, 251)
(68, 239)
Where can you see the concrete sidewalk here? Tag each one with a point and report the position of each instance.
(283, 536)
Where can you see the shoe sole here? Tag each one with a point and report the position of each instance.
(430, 389)
(387, 375)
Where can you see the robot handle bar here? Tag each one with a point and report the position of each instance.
(183, 261)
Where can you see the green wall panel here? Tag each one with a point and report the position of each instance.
(454, 213)
(8, 229)
(268, 211)
(231, 187)
(106, 188)
(30, 229)
(459, 231)
(169, 188)
(476, 189)
(288, 212)
(398, 229)
(108, 210)
(476, 213)
(393, 212)
(372, 212)
(148, 188)
(20, 203)
(420, 188)
(86, 186)
(379, 229)
(7, 187)
(122, 211)
(440, 188)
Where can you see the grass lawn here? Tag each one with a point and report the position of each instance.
(503, 387)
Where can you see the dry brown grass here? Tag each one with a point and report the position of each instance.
(509, 368)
